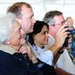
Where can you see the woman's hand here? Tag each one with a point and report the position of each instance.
(25, 49)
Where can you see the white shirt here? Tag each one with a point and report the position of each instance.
(64, 62)
(43, 54)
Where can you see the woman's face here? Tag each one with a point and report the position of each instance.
(16, 34)
(41, 38)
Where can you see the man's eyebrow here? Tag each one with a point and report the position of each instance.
(63, 21)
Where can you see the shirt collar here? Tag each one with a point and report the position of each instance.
(7, 49)
(38, 48)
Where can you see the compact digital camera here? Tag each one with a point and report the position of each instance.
(66, 40)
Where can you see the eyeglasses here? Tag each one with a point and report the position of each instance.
(62, 23)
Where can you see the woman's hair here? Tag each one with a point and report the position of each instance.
(37, 29)
(6, 24)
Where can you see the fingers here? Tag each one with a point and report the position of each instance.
(24, 49)
(61, 35)
(63, 30)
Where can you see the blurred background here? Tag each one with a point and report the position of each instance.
(40, 7)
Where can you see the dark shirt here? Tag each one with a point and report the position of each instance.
(16, 65)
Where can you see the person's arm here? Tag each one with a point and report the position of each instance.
(59, 40)
(56, 57)
(60, 37)
(61, 50)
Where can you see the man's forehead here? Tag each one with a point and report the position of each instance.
(26, 9)
(59, 18)
(27, 12)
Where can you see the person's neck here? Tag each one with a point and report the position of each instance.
(39, 45)
(15, 47)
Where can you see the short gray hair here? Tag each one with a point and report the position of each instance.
(49, 21)
(49, 17)
(6, 24)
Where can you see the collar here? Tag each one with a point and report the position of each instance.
(7, 49)
(38, 48)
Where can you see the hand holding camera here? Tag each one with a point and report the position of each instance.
(61, 35)
(67, 38)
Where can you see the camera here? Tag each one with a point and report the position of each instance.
(66, 40)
